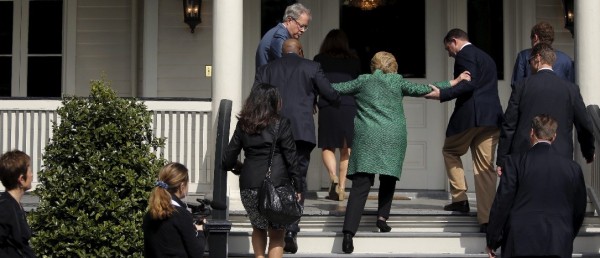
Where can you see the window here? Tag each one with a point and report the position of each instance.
(35, 28)
(484, 25)
(396, 26)
(6, 31)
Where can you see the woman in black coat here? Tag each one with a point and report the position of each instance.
(169, 229)
(254, 133)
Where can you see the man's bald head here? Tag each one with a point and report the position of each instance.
(292, 46)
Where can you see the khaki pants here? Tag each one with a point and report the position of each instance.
(482, 141)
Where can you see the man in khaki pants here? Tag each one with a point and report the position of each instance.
(474, 125)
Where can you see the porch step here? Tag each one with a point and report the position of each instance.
(411, 236)
(420, 228)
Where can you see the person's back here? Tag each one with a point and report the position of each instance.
(542, 32)
(477, 102)
(541, 91)
(563, 67)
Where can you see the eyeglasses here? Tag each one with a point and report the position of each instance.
(303, 27)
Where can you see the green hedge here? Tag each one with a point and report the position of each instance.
(99, 168)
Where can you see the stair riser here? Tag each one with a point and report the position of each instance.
(328, 243)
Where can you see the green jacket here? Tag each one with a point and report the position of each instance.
(380, 126)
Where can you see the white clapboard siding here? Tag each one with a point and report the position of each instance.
(27, 125)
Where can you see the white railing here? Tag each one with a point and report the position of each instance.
(27, 125)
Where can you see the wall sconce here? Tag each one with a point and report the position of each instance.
(191, 13)
(569, 16)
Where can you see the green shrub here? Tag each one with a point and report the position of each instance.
(98, 171)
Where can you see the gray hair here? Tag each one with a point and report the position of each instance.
(294, 11)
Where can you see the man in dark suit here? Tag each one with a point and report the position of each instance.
(299, 82)
(544, 92)
(541, 199)
(563, 66)
(474, 124)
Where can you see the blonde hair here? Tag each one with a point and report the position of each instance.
(385, 62)
(173, 175)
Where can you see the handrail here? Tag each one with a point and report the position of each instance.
(594, 184)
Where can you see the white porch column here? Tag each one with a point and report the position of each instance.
(227, 71)
(587, 34)
(150, 50)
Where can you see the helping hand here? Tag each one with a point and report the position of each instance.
(434, 94)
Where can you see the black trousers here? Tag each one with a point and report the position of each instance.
(303, 150)
(361, 184)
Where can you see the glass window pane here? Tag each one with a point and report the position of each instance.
(5, 75)
(484, 25)
(45, 27)
(369, 31)
(44, 76)
(6, 27)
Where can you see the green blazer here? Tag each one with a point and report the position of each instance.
(380, 126)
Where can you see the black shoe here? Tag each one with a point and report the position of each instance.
(483, 228)
(383, 226)
(347, 245)
(461, 206)
(291, 245)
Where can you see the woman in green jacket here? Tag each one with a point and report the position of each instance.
(379, 137)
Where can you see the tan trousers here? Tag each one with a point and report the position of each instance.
(482, 141)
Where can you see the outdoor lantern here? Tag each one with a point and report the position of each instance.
(569, 16)
(191, 13)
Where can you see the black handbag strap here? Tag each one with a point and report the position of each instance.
(273, 147)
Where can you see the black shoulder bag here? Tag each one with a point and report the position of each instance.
(278, 204)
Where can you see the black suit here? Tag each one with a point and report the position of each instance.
(546, 93)
(257, 149)
(299, 82)
(539, 206)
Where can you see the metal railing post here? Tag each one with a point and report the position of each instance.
(218, 227)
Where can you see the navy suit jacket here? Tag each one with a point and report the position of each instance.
(299, 81)
(269, 47)
(539, 206)
(563, 67)
(546, 93)
(477, 101)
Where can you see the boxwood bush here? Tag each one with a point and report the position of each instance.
(99, 168)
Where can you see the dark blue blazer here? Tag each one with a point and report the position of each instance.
(299, 81)
(563, 67)
(477, 102)
(269, 47)
(539, 205)
(546, 93)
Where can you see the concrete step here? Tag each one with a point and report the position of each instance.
(411, 236)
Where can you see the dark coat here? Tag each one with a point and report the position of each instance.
(299, 81)
(175, 236)
(546, 93)
(256, 151)
(539, 206)
(14, 230)
(477, 101)
(563, 67)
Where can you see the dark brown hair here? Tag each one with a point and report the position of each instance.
(12, 165)
(545, 51)
(336, 45)
(260, 108)
(544, 31)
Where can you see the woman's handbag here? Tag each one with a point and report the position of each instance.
(278, 204)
